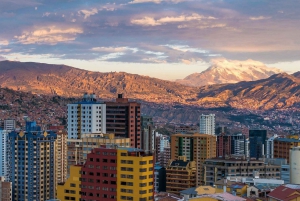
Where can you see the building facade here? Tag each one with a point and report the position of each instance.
(207, 124)
(181, 175)
(238, 145)
(3, 153)
(159, 179)
(61, 156)
(31, 164)
(87, 116)
(195, 147)
(5, 190)
(9, 124)
(219, 168)
(148, 135)
(270, 146)
(223, 145)
(295, 165)
(124, 119)
(282, 147)
(257, 143)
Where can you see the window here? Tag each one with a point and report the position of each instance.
(72, 185)
(143, 162)
(143, 169)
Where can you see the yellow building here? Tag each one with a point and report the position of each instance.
(70, 190)
(237, 188)
(217, 197)
(134, 175)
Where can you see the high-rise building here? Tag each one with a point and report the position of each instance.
(282, 147)
(9, 124)
(3, 153)
(61, 156)
(207, 124)
(238, 144)
(162, 149)
(123, 117)
(257, 140)
(148, 135)
(32, 163)
(270, 146)
(295, 165)
(181, 175)
(111, 173)
(5, 190)
(195, 147)
(159, 179)
(87, 116)
(223, 145)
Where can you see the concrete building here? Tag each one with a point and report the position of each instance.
(195, 147)
(78, 149)
(219, 168)
(162, 150)
(124, 119)
(61, 156)
(285, 173)
(148, 136)
(207, 124)
(31, 164)
(282, 147)
(270, 146)
(159, 179)
(223, 145)
(238, 145)
(257, 139)
(181, 175)
(5, 190)
(3, 153)
(9, 124)
(295, 165)
(87, 116)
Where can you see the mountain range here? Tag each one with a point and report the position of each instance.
(230, 71)
(275, 92)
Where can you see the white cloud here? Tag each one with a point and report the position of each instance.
(259, 18)
(109, 49)
(88, 13)
(49, 35)
(109, 56)
(149, 21)
(4, 42)
(186, 48)
(155, 1)
(5, 50)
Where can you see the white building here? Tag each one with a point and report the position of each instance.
(9, 124)
(207, 124)
(85, 117)
(295, 165)
(270, 146)
(3, 153)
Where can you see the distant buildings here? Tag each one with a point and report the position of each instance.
(223, 145)
(32, 163)
(148, 135)
(270, 146)
(162, 149)
(87, 116)
(238, 144)
(123, 117)
(9, 124)
(207, 124)
(257, 140)
(3, 153)
(195, 147)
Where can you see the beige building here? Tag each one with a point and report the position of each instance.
(219, 168)
(79, 148)
(180, 175)
(61, 156)
(196, 147)
(5, 190)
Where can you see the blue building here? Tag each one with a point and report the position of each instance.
(257, 144)
(31, 163)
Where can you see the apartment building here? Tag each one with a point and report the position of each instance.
(282, 147)
(5, 190)
(31, 164)
(86, 116)
(124, 119)
(219, 168)
(111, 173)
(181, 175)
(195, 147)
(207, 124)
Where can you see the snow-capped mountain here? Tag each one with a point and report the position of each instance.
(230, 71)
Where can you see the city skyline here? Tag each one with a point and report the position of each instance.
(167, 39)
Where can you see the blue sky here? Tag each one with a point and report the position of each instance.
(167, 39)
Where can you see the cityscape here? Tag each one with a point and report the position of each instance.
(149, 100)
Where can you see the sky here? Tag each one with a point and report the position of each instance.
(167, 39)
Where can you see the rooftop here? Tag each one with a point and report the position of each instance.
(286, 140)
(221, 196)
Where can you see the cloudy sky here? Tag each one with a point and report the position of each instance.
(161, 38)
